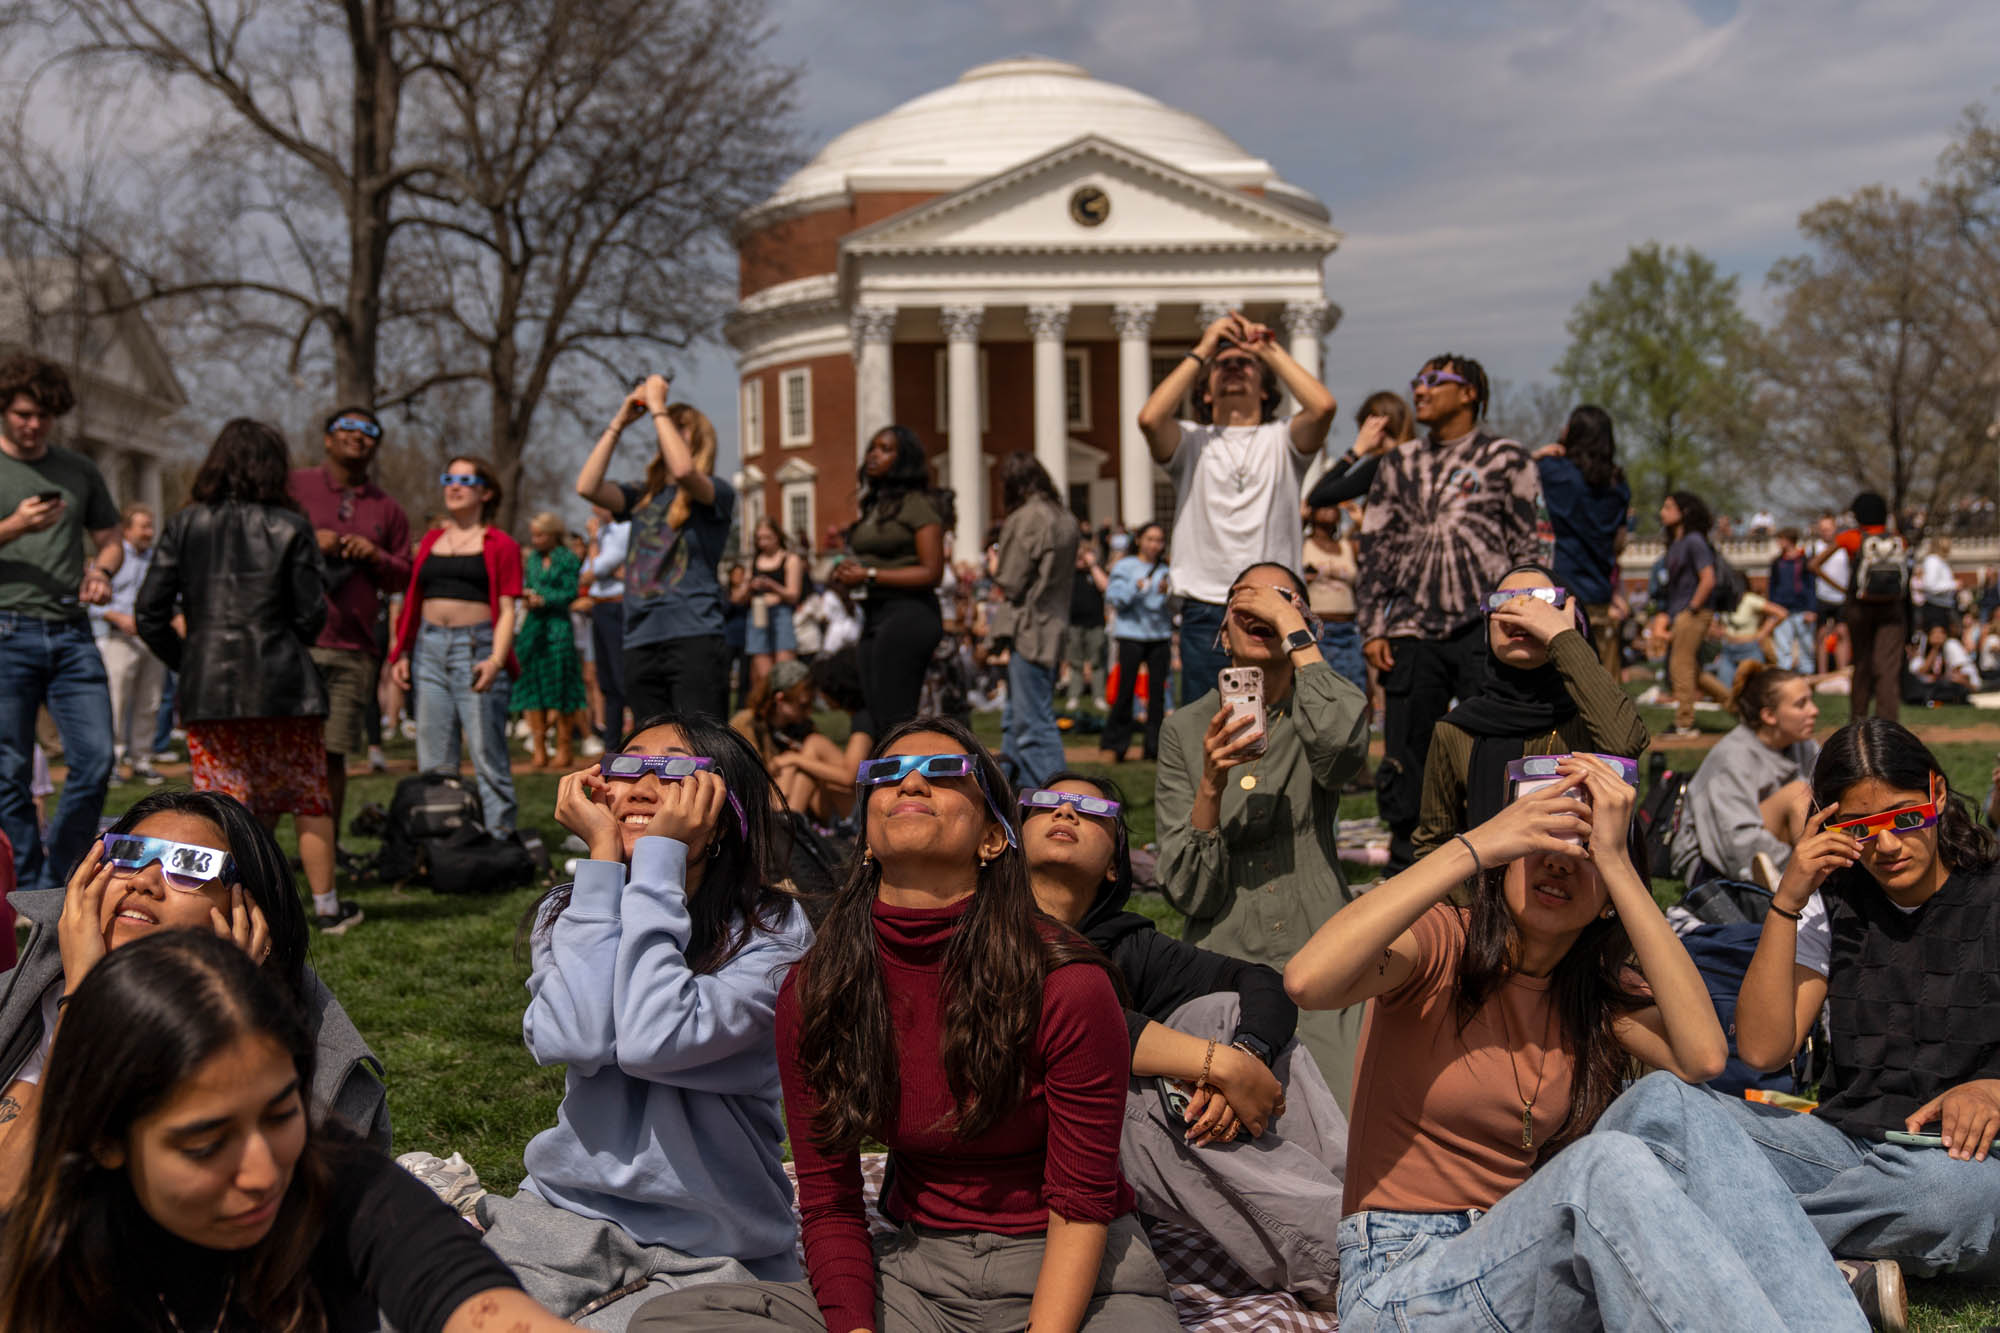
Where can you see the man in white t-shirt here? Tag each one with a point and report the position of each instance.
(1238, 474)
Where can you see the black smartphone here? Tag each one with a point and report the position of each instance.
(48, 497)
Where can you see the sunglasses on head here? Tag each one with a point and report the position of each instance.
(1040, 799)
(361, 425)
(1907, 819)
(1553, 596)
(460, 479)
(668, 768)
(1430, 379)
(894, 768)
(183, 865)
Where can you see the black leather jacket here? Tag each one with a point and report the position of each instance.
(250, 581)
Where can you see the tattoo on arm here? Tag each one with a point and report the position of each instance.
(9, 1110)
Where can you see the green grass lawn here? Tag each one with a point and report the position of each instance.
(436, 984)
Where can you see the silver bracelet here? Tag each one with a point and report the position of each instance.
(1478, 866)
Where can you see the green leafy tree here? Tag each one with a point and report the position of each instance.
(1664, 347)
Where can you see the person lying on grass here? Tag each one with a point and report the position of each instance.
(1500, 1033)
(655, 981)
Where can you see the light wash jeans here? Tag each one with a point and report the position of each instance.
(1793, 639)
(1610, 1233)
(442, 674)
(52, 662)
(1867, 1200)
(1028, 730)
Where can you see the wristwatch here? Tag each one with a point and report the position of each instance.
(1243, 1041)
(1299, 640)
(871, 573)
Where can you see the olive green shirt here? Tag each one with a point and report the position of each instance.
(890, 541)
(42, 572)
(1605, 722)
(1257, 886)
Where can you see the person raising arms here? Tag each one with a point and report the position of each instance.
(1499, 1035)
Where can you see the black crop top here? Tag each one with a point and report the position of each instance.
(458, 576)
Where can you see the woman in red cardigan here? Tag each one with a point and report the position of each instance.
(458, 625)
(940, 1013)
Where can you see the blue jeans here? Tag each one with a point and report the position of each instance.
(1793, 638)
(1340, 645)
(442, 674)
(1732, 656)
(52, 662)
(1867, 1200)
(1028, 731)
(1609, 1233)
(1201, 660)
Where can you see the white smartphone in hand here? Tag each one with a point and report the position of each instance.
(1242, 690)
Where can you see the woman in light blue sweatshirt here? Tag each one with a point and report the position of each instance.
(1143, 625)
(655, 981)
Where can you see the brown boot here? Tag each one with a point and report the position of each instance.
(538, 722)
(565, 755)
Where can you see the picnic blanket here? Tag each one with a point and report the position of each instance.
(1211, 1294)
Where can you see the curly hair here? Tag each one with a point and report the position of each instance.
(44, 381)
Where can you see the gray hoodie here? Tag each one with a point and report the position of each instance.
(1720, 822)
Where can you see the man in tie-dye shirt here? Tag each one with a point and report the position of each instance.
(1449, 513)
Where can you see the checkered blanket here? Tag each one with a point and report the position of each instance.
(1211, 1294)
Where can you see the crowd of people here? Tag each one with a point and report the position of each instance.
(1487, 1088)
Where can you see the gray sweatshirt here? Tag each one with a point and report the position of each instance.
(1720, 821)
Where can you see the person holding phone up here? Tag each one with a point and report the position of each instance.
(1888, 915)
(1248, 815)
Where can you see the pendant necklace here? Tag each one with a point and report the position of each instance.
(1527, 1099)
(1248, 782)
(220, 1315)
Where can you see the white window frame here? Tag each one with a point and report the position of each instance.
(941, 373)
(749, 513)
(806, 489)
(795, 386)
(753, 417)
(1078, 357)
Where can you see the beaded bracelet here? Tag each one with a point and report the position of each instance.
(1206, 1062)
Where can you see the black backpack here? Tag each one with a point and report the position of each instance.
(1730, 585)
(425, 809)
(469, 860)
(1660, 814)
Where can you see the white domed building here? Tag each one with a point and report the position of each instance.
(1009, 262)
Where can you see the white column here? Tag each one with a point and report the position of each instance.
(152, 486)
(967, 453)
(1134, 325)
(1305, 322)
(1207, 313)
(1046, 325)
(873, 328)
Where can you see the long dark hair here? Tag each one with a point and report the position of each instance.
(1588, 988)
(146, 1018)
(1695, 516)
(882, 496)
(994, 968)
(247, 463)
(261, 869)
(738, 890)
(1587, 441)
(1121, 845)
(1022, 477)
(1890, 752)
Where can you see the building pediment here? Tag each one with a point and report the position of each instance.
(1091, 196)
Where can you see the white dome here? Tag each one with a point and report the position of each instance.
(1002, 114)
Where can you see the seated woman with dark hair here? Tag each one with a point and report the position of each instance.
(938, 1012)
(178, 1182)
(1546, 692)
(655, 977)
(1888, 918)
(1214, 1032)
(176, 860)
(1482, 1186)
(812, 773)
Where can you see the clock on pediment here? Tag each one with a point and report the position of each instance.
(1089, 206)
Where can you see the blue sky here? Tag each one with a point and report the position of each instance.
(1485, 160)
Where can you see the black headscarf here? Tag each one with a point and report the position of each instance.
(1515, 707)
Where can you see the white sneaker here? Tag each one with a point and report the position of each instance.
(450, 1178)
(377, 761)
(591, 747)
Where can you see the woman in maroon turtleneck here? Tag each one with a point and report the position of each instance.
(940, 1013)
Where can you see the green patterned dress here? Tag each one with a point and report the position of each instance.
(551, 677)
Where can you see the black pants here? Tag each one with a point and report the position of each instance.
(607, 646)
(1417, 691)
(1157, 656)
(678, 676)
(899, 632)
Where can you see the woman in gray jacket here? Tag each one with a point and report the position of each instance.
(1746, 806)
(1033, 565)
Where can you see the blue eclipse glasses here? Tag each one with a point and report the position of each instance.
(360, 425)
(185, 866)
(668, 768)
(878, 772)
(1043, 799)
(467, 479)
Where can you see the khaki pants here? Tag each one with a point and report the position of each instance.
(1684, 671)
(136, 677)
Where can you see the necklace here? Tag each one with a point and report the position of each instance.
(1527, 1099)
(1239, 467)
(174, 1323)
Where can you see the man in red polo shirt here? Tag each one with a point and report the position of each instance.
(364, 537)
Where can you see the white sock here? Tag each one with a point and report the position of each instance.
(326, 904)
